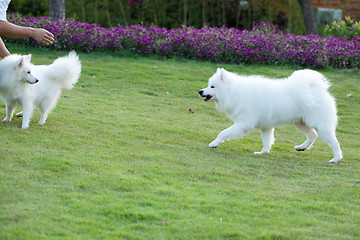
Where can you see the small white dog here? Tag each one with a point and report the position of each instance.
(28, 85)
(258, 102)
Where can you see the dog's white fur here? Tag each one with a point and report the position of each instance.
(258, 102)
(28, 85)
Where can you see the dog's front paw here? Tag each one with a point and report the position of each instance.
(262, 152)
(334, 160)
(214, 144)
(6, 120)
(211, 145)
(299, 148)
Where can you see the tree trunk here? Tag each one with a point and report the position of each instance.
(123, 12)
(83, 10)
(203, 12)
(309, 17)
(57, 9)
(238, 15)
(154, 12)
(106, 5)
(223, 11)
(95, 12)
(185, 12)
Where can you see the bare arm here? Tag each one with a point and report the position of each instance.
(3, 50)
(13, 31)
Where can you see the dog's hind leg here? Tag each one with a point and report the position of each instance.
(268, 139)
(19, 114)
(10, 107)
(310, 134)
(46, 107)
(234, 132)
(329, 136)
(43, 117)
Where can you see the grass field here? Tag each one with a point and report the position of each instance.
(121, 157)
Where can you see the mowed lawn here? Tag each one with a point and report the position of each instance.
(122, 157)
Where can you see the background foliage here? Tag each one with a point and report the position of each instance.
(265, 43)
(348, 28)
(169, 13)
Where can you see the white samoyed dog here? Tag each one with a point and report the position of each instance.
(28, 85)
(258, 102)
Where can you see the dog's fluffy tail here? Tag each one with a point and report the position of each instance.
(66, 70)
(313, 78)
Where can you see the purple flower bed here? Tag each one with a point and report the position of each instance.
(265, 43)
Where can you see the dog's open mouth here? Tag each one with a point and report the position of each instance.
(207, 98)
(36, 81)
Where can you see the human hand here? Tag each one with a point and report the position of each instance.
(43, 36)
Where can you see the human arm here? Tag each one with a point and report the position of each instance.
(3, 50)
(10, 30)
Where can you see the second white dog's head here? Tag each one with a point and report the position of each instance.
(216, 82)
(23, 70)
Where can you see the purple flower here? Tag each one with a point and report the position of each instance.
(265, 43)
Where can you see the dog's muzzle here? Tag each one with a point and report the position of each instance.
(36, 81)
(207, 97)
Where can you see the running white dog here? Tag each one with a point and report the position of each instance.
(28, 85)
(258, 102)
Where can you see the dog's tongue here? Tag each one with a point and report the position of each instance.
(207, 97)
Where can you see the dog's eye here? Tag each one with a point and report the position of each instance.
(28, 72)
(212, 86)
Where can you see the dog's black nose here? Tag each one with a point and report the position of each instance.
(37, 80)
(201, 92)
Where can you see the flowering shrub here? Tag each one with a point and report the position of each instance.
(264, 44)
(348, 28)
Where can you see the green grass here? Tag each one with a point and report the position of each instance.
(121, 157)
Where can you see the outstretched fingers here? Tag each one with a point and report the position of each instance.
(43, 36)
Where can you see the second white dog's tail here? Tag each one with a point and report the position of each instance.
(66, 70)
(311, 77)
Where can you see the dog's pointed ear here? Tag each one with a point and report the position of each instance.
(20, 62)
(222, 73)
(218, 70)
(27, 58)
